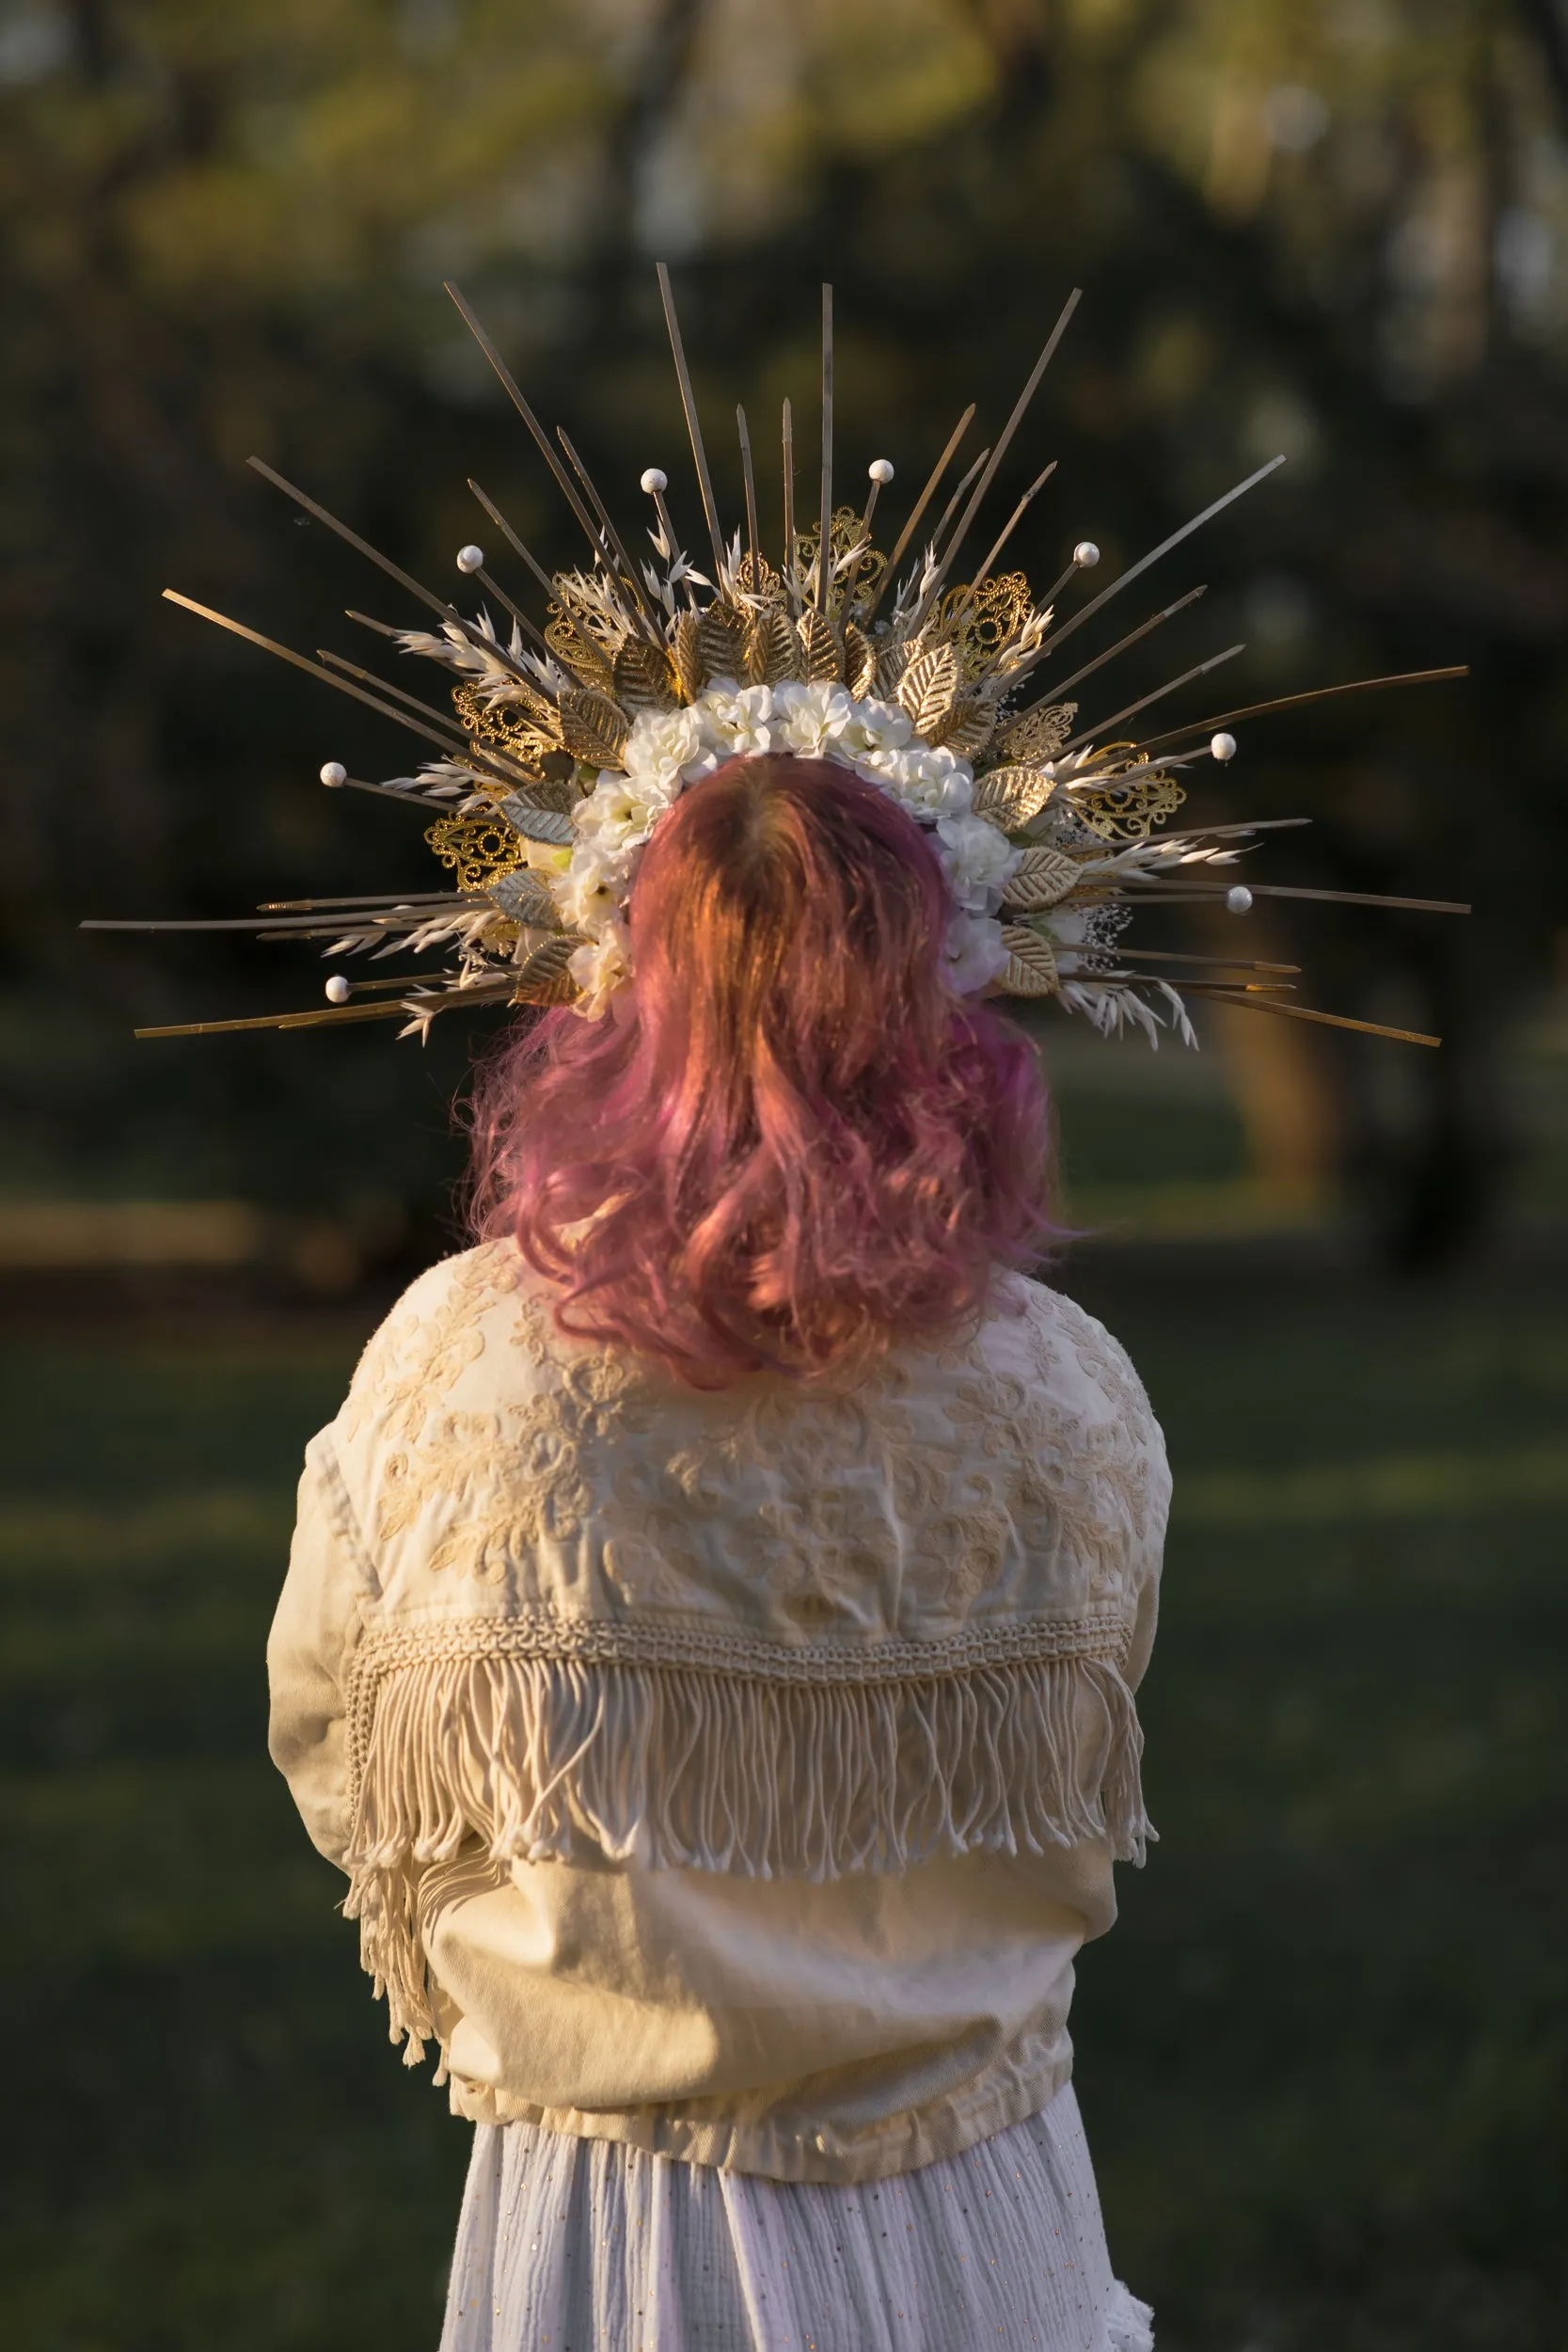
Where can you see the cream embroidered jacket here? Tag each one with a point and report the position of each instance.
(736, 1775)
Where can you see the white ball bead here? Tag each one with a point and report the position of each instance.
(880, 470)
(337, 990)
(1086, 555)
(334, 774)
(654, 481)
(1239, 899)
(1224, 747)
(469, 559)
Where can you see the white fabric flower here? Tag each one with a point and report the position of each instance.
(668, 751)
(975, 952)
(738, 720)
(813, 717)
(978, 861)
(591, 892)
(662, 743)
(600, 968)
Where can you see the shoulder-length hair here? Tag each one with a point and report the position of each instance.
(788, 1144)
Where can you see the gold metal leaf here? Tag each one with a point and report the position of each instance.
(526, 899)
(967, 730)
(892, 660)
(930, 688)
(1039, 733)
(1030, 967)
(818, 647)
(686, 655)
(776, 648)
(592, 728)
(1008, 797)
(644, 678)
(543, 978)
(1044, 879)
(860, 660)
(722, 641)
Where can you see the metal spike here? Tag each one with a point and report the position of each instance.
(1164, 547)
(688, 402)
(788, 430)
(1086, 735)
(393, 571)
(920, 505)
(1054, 693)
(1320, 693)
(825, 544)
(951, 507)
(1013, 520)
(540, 573)
(612, 536)
(1305, 1013)
(1019, 409)
(751, 485)
(563, 481)
(317, 670)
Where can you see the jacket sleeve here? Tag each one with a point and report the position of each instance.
(1150, 1559)
(313, 1633)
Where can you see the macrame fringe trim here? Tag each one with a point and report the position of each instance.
(672, 1768)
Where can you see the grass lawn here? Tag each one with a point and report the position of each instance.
(1322, 2059)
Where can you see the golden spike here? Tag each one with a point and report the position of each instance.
(333, 1017)
(563, 479)
(1054, 693)
(1305, 1013)
(688, 402)
(825, 544)
(465, 749)
(393, 571)
(951, 507)
(1030, 495)
(789, 504)
(612, 536)
(1132, 571)
(1086, 735)
(920, 505)
(1319, 693)
(751, 488)
(1019, 409)
(351, 669)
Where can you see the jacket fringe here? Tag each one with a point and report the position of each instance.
(674, 1768)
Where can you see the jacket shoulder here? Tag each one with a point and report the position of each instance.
(445, 1323)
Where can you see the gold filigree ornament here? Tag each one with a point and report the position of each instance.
(1128, 806)
(568, 735)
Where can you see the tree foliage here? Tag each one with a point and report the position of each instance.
(1335, 230)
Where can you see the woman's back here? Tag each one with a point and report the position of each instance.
(746, 1765)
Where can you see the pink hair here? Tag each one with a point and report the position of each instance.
(788, 1144)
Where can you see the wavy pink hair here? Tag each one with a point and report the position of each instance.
(788, 1144)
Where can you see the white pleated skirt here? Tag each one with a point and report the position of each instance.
(573, 2245)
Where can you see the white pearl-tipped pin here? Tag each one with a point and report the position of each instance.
(1086, 555)
(470, 559)
(337, 990)
(654, 482)
(334, 774)
(1238, 898)
(880, 471)
(1223, 746)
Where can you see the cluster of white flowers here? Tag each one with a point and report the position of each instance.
(666, 751)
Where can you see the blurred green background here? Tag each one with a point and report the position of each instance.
(1322, 2058)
